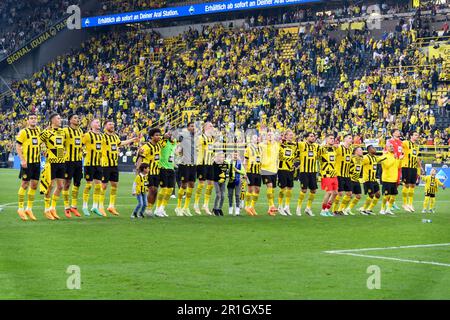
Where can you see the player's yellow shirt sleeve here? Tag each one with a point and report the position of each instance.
(22, 136)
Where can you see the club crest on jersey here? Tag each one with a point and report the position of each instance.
(34, 141)
(87, 176)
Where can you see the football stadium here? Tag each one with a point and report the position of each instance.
(224, 150)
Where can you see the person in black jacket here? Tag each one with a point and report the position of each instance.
(221, 167)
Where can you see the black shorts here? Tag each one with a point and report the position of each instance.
(110, 174)
(187, 173)
(431, 195)
(167, 178)
(308, 180)
(270, 179)
(31, 172)
(409, 175)
(390, 188)
(344, 184)
(205, 172)
(285, 179)
(58, 170)
(153, 180)
(254, 180)
(371, 187)
(74, 169)
(356, 187)
(93, 173)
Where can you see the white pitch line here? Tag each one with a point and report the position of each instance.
(349, 252)
(394, 259)
(391, 248)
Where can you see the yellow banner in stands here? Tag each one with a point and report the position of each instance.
(291, 30)
(416, 3)
(443, 51)
(353, 26)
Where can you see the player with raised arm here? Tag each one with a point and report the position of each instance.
(329, 183)
(269, 168)
(287, 155)
(410, 165)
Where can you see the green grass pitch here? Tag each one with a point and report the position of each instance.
(205, 257)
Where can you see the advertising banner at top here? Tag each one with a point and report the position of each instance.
(185, 11)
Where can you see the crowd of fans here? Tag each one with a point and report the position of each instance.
(240, 78)
(22, 20)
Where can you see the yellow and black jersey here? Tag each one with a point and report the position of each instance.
(327, 158)
(205, 150)
(54, 142)
(343, 161)
(431, 184)
(269, 155)
(150, 154)
(92, 143)
(411, 153)
(110, 150)
(73, 144)
(253, 159)
(356, 168)
(390, 166)
(370, 163)
(140, 184)
(308, 152)
(287, 155)
(30, 141)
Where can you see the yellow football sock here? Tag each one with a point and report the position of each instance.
(180, 195)
(345, 200)
(208, 192)
(432, 202)
(65, 194)
(255, 197)
(405, 194)
(86, 192)
(336, 203)
(187, 201)
(310, 200)
(391, 202)
(112, 197)
(198, 193)
(101, 197)
(353, 203)
(301, 196)
(374, 203)
(384, 201)
(270, 197)
(96, 197)
(21, 194)
(47, 201)
(287, 199)
(31, 193)
(160, 197)
(411, 196)
(425, 203)
(280, 197)
(248, 199)
(167, 195)
(74, 196)
(367, 203)
(55, 199)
